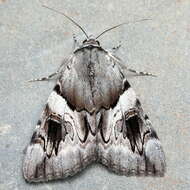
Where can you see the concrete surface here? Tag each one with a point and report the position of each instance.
(34, 40)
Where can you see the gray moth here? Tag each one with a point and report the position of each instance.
(92, 115)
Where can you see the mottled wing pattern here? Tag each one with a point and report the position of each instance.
(127, 143)
(92, 115)
(62, 143)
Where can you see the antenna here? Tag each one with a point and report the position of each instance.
(120, 25)
(66, 17)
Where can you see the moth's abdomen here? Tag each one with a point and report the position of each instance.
(92, 81)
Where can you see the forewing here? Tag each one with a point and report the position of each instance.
(62, 143)
(128, 144)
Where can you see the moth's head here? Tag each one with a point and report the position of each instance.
(91, 41)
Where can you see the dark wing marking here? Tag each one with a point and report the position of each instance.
(63, 142)
(127, 143)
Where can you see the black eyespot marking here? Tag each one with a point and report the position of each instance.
(133, 131)
(126, 85)
(138, 103)
(71, 106)
(39, 122)
(153, 134)
(57, 89)
(54, 135)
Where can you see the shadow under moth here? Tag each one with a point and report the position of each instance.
(92, 114)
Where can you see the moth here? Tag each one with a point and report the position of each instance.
(92, 115)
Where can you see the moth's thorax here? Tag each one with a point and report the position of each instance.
(87, 82)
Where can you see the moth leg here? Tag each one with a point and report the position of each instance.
(141, 73)
(75, 42)
(45, 78)
(116, 48)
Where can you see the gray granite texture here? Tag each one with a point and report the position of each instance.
(34, 41)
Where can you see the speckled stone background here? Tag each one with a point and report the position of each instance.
(34, 40)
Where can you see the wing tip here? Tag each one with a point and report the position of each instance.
(45, 169)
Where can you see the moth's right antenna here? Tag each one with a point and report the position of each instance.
(66, 17)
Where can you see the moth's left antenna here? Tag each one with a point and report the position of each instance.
(66, 17)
